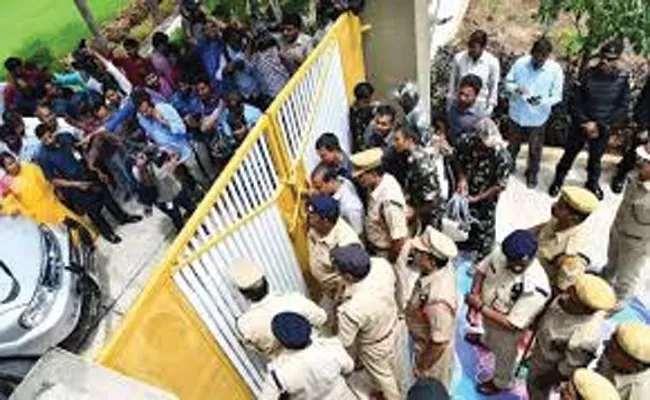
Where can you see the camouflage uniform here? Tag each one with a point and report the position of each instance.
(482, 173)
(422, 186)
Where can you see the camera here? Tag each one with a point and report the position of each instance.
(156, 156)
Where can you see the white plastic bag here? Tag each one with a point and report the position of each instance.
(457, 220)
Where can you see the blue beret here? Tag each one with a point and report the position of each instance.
(428, 389)
(292, 330)
(351, 259)
(520, 245)
(324, 206)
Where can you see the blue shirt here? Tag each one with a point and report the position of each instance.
(251, 116)
(242, 80)
(62, 161)
(186, 103)
(172, 135)
(211, 53)
(545, 83)
(459, 121)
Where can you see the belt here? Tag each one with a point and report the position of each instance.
(384, 337)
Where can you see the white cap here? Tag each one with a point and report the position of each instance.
(245, 273)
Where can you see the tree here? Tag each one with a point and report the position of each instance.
(87, 15)
(597, 21)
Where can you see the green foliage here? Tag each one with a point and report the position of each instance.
(142, 31)
(240, 8)
(167, 7)
(39, 52)
(596, 21)
(570, 41)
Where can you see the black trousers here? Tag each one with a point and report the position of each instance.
(628, 161)
(182, 202)
(575, 143)
(92, 202)
(535, 138)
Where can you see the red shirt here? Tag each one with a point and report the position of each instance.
(135, 68)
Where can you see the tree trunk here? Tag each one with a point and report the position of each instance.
(87, 15)
(154, 10)
(277, 9)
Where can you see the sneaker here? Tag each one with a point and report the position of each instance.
(531, 182)
(595, 189)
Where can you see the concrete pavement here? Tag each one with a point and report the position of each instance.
(125, 268)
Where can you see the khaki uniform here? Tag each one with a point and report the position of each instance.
(366, 322)
(629, 240)
(629, 386)
(554, 244)
(431, 318)
(386, 215)
(406, 276)
(319, 255)
(519, 296)
(315, 372)
(255, 324)
(564, 343)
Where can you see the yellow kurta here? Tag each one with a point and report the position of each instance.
(32, 196)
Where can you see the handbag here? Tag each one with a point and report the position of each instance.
(457, 221)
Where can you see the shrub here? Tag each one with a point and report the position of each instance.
(142, 31)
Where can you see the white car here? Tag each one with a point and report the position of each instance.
(47, 291)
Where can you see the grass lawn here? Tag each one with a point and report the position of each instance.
(56, 23)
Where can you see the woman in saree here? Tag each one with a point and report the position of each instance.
(25, 191)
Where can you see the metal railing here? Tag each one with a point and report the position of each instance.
(180, 332)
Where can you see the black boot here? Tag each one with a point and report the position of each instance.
(618, 183)
(594, 188)
(555, 187)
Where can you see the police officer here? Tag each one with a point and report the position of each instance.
(327, 230)
(586, 384)
(431, 310)
(386, 227)
(629, 236)
(367, 315)
(626, 361)
(565, 235)
(306, 367)
(421, 184)
(254, 325)
(509, 290)
(568, 334)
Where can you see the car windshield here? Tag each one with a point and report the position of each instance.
(9, 287)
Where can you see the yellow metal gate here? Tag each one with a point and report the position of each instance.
(180, 333)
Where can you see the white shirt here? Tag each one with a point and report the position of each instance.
(312, 373)
(350, 205)
(488, 69)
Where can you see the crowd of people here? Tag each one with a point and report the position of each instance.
(122, 125)
(382, 254)
(160, 127)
